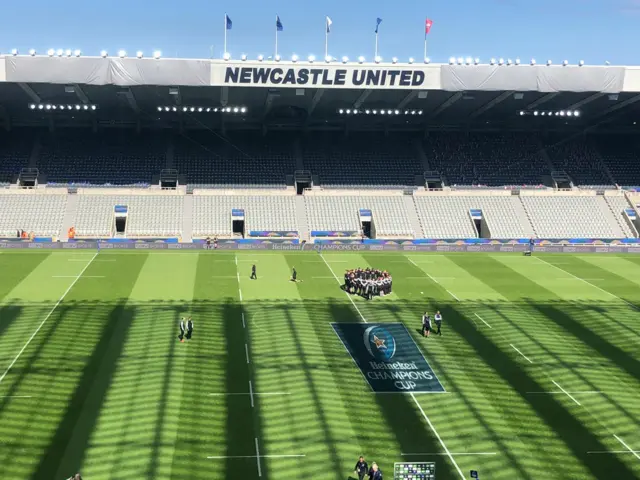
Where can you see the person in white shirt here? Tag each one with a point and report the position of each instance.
(438, 319)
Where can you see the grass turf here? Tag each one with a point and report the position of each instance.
(540, 358)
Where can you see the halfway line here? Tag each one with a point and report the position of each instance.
(255, 456)
(46, 318)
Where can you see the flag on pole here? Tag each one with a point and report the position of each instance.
(329, 23)
(427, 26)
(228, 21)
(378, 22)
(279, 26)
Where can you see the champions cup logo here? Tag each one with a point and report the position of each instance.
(379, 343)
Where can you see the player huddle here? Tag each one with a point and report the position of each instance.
(367, 282)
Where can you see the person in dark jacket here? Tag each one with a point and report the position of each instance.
(361, 468)
(253, 272)
(375, 473)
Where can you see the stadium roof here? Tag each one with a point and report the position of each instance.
(151, 92)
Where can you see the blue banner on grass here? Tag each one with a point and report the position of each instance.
(388, 357)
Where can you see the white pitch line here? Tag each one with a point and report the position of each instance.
(588, 392)
(452, 453)
(46, 318)
(616, 451)
(453, 295)
(236, 257)
(524, 356)
(433, 429)
(246, 351)
(237, 276)
(243, 324)
(240, 293)
(258, 457)
(247, 393)
(567, 393)
(412, 394)
(74, 276)
(483, 320)
(16, 396)
(635, 454)
(589, 283)
(81, 260)
(251, 393)
(255, 456)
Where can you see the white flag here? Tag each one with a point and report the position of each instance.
(329, 23)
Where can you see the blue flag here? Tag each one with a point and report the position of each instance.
(279, 26)
(378, 22)
(228, 22)
(329, 23)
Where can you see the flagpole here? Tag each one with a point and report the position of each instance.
(425, 45)
(225, 34)
(376, 55)
(326, 39)
(276, 41)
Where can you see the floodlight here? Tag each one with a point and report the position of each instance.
(40, 107)
(517, 61)
(452, 60)
(85, 107)
(543, 113)
(394, 60)
(426, 60)
(54, 107)
(14, 51)
(355, 112)
(311, 58)
(565, 63)
(139, 54)
(521, 113)
(367, 111)
(185, 109)
(260, 57)
(374, 112)
(236, 109)
(533, 61)
(93, 107)
(607, 62)
(192, 109)
(122, 53)
(104, 54)
(581, 63)
(501, 61)
(78, 108)
(557, 113)
(294, 58)
(328, 59)
(509, 62)
(48, 107)
(32, 52)
(419, 112)
(411, 60)
(413, 112)
(378, 59)
(345, 59)
(228, 110)
(469, 61)
(348, 111)
(397, 112)
(493, 61)
(159, 109)
(278, 58)
(562, 113)
(68, 52)
(382, 112)
(215, 110)
(477, 61)
(549, 63)
(243, 110)
(51, 52)
(460, 60)
(341, 111)
(208, 109)
(569, 113)
(157, 54)
(227, 56)
(361, 59)
(77, 53)
(576, 113)
(32, 106)
(535, 113)
(59, 52)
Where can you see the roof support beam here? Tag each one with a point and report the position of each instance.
(542, 100)
(224, 96)
(268, 102)
(408, 98)
(450, 101)
(584, 101)
(361, 99)
(80, 94)
(315, 101)
(488, 106)
(131, 100)
(29, 91)
(613, 108)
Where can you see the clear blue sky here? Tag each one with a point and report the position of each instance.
(593, 30)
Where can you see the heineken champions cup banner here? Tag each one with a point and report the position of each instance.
(388, 357)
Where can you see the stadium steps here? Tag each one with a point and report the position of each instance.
(417, 144)
(187, 219)
(604, 166)
(618, 214)
(69, 218)
(170, 151)
(298, 155)
(412, 216)
(35, 153)
(612, 218)
(301, 218)
(526, 217)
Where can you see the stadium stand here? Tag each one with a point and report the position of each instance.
(370, 160)
(492, 159)
(212, 213)
(242, 159)
(33, 212)
(578, 157)
(618, 204)
(620, 153)
(570, 216)
(149, 215)
(340, 213)
(114, 156)
(15, 150)
(447, 216)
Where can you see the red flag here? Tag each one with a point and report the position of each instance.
(427, 26)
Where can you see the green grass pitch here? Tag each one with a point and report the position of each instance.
(540, 359)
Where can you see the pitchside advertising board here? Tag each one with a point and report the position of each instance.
(388, 357)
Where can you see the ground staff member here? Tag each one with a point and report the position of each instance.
(375, 473)
(438, 319)
(361, 468)
(253, 272)
(426, 324)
